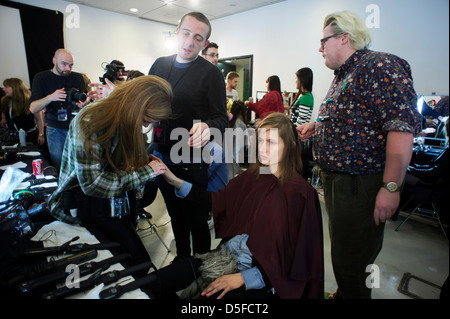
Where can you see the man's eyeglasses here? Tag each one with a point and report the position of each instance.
(213, 55)
(324, 40)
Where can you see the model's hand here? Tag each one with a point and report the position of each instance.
(200, 135)
(158, 167)
(168, 175)
(225, 284)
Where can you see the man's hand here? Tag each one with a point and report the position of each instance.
(58, 95)
(200, 135)
(399, 147)
(386, 205)
(82, 104)
(306, 130)
(102, 91)
(41, 140)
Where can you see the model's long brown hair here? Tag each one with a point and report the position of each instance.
(120, 116)
(291, 161)
(20, 97)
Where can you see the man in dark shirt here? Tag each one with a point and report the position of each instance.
(199, 111)
(48, 92)
(363, 142)
(211, 53)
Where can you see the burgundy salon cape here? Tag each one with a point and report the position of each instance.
(284, 225)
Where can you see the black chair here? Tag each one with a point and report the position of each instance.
(427, 198)
(148, 196)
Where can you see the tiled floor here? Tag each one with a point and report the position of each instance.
(417, 248)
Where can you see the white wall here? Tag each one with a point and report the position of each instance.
(102, 36)
(13, 61)
(282, 37)
(285, 37)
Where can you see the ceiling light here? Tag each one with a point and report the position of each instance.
(169, 43)
(134, 10)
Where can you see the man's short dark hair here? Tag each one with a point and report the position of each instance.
(200, 17)
(210, 45)
(232, 75)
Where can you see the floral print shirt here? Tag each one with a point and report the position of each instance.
(372, 93)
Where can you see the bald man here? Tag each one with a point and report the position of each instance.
(49, 93)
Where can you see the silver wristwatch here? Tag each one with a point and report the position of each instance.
(392, 187)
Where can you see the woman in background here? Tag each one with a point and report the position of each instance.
(241, 142)
(15, 111)
(271, 102)
(301, 110)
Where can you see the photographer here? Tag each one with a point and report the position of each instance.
(115, 72)
(49, 92)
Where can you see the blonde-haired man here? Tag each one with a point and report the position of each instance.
(363, 141)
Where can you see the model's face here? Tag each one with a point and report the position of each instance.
(192, 38)
(212, 55)
(270, 148)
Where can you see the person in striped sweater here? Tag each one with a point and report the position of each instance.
(301, 110)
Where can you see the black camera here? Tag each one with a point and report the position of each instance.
(112, 72)
(74, 96)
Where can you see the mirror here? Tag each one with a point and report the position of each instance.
(434, 109)
(433, 105)
(243, 65)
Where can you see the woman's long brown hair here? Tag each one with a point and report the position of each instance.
(20, 97)
(121, 116)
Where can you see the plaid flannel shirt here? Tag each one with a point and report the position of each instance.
(79, 170)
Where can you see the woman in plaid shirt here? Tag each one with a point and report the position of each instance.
(105, 159)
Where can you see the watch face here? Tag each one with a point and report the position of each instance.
(392, 187)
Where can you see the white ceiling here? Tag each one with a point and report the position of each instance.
(170, 11)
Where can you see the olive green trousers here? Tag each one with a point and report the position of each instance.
(355, 238)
